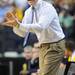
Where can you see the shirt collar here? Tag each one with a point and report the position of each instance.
(37, 4)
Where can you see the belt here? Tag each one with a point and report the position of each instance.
(44, 44)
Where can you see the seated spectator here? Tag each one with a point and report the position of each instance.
(70, 54)
(31, 66)
(70, 45)
(28, 52)
(28, 57)
(59, 5)
(71, 51)
(66, 21)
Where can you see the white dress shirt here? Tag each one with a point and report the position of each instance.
(47, 28)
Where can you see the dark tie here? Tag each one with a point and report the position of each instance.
(27, 31)
(34, 13)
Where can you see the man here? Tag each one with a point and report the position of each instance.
(28, 56)
(50, 35)
(31, 64)
(28, 52)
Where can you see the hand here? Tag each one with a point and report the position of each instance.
(10, 23)
(24, 72)
(9, 20)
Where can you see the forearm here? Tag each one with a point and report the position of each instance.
(31, 27)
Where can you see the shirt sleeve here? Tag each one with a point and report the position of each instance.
(44, 20)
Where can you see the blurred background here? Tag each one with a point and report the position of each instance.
(18, 60)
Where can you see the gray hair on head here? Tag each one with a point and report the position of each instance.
(29, 48)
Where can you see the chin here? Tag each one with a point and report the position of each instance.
(30, 4)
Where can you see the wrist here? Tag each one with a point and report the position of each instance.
(17, 26)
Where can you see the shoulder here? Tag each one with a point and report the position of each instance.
(48, 6)
(28, 11)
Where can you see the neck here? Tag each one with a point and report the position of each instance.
(35, 3)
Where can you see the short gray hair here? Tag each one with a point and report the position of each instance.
(29, 48)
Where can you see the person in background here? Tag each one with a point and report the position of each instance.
(71, 4)
(70, 54)
(66, 21)
(31, 56)
(70, 44)
(28, 52)
(28, 56)
(59, 5)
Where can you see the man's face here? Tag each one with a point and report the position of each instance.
(32, 2)
(28, 54)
